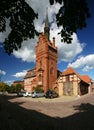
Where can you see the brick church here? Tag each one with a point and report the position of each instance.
(45, 73)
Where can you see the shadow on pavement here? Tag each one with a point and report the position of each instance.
(14, 117)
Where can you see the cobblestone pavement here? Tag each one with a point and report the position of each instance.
(63, 113)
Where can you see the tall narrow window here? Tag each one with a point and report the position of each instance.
(40, 77)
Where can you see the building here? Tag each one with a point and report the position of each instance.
(18, 82)
(45, 73)
(30, 80)
(71, 83)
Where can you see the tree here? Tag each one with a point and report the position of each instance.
(19, 87)
(72, 16)
(11, 89)
(3, 87)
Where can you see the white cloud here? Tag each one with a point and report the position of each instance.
(84, 62)
(2, 72)
(5, 33)
(9, 82)
(27, 51)
(20, 74)
(67, 52)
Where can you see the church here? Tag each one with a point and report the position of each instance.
(45, 72)
(46, 75)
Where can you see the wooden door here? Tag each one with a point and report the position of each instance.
(68, 88)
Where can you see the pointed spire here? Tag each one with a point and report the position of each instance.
(46, 20)
(46, 28)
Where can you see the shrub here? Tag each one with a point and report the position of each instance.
(39, 89)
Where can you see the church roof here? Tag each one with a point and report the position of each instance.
(30, 73)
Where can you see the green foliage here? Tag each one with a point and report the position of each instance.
(3, 87)
(11, 89)
(39, 89)
(18, 87)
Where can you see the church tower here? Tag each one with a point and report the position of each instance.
(46, 59)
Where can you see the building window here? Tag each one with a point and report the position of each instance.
(67, 78)
(40, 77)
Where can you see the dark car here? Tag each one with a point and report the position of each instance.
(51, 94)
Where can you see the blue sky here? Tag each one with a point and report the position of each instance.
(79, 54)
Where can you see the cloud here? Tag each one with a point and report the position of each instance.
(84, 62)
(2, 72)
(5, 34)
(27, 51)
(67, 52)
(20, 74)
(9, 82)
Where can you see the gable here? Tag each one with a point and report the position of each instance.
(30, 73)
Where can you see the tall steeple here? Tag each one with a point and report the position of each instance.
(47, 28)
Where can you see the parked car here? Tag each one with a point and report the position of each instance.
(37, 94)
(21, 93)
(51, 94)
(27, 94)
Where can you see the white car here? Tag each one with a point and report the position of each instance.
(37, 94)
(27, 94)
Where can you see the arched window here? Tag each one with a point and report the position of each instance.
(40, 77)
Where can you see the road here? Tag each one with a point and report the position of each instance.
(51, 114)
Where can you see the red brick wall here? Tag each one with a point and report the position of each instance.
(46, 62)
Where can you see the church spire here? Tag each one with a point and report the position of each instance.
(46, 28)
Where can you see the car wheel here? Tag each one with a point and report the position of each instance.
(51, 97)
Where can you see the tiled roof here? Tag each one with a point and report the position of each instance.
(30, 73)
(70, 70)
(17, 81)
(86, 78)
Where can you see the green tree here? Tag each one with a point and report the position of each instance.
(18, 87)
(3, 87)
(11, 89)
(38, 88)
(72, 16)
